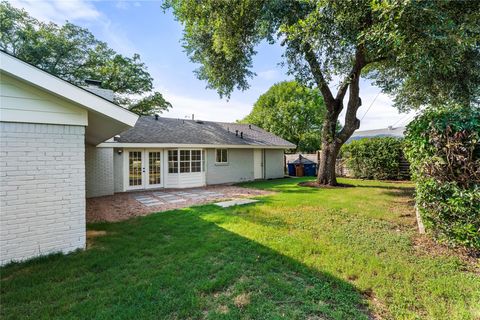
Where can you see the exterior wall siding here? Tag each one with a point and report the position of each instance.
(274, 167)
(239, 167)
(118, 171)
(42, 189)
(99, 171)
(20, 101)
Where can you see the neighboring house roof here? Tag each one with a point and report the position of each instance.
(105, 119)
(172, 132)
(387, 132)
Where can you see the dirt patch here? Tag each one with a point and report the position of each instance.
(123, 206)
(223, 309)
(425, 245)
(92, 234)
(314, 184)
(242, 300)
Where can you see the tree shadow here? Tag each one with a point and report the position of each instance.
(175, 265)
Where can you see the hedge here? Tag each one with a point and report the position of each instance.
(373, 158)
(443, 149)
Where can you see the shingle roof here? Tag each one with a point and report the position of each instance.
(178, 131)
(387, 132)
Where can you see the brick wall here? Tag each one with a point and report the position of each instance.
(99, 171)
(42, 189)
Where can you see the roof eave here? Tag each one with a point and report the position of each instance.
(190, 145)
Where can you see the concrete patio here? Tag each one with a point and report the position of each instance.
(122, 206)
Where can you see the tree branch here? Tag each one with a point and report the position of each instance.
(354, 102)
(358, 64)
(318, 75)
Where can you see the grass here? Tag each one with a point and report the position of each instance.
(301, 253)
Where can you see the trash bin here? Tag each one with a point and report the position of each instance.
(308, 167)
(299, 172)
(291, 169)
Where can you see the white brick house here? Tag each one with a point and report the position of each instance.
(57, 149)
(46, 125)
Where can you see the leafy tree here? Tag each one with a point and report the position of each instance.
(419, 51)
(74, 54)
(292, 112)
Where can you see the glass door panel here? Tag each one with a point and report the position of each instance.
(154, 168)
(135, 169)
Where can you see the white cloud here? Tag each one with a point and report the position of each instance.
(59, 11)
(205, 109)
(81, 12)
(125, 4)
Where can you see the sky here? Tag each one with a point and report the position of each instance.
(143, 27)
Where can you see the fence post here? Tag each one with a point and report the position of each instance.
(421, 227)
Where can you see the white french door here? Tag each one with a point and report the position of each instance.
(143, 169)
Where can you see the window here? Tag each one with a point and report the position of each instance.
(172, 161)
(184, 161)
(196, 160)
(221, 156)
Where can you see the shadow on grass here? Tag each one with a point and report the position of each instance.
(174, 265)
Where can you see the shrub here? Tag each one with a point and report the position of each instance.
(443, 148)
(373, 158)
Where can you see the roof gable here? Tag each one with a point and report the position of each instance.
(105, 119)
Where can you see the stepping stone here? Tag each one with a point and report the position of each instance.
(176, 200)
(235, 202)
(167, 196)
(149, 201)
(159, 194)
(142, 197)
(194, 196)
(198, 197)
(151, 204)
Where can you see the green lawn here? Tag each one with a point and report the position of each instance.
(301, 253)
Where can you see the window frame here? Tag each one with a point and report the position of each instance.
(197, 164)
(177, 167)
(221, 163)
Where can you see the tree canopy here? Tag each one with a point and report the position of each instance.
(291, 111)
(74, 54)
(421, 52)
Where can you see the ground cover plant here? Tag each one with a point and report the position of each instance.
(301, 253)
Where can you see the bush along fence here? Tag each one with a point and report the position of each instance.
(374, 158)
(443, 148)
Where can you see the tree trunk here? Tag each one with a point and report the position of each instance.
(331, 139)
(326, 169)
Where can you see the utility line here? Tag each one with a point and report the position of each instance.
(401, 119)
(371, 104)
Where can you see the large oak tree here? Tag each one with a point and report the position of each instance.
(74, 54)
(421, 52)
(291, 111)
